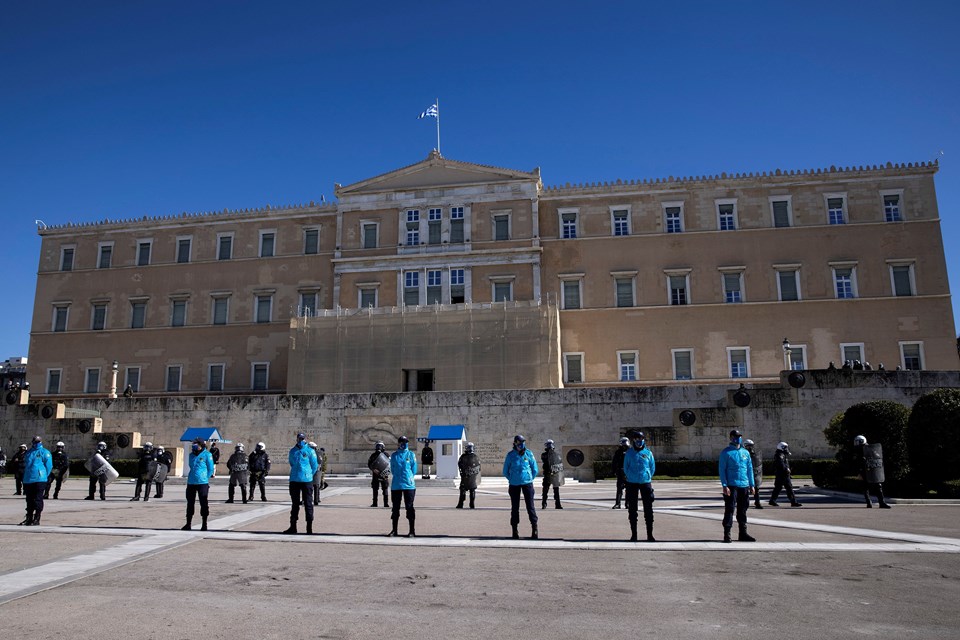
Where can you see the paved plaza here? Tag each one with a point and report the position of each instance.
(831, 569)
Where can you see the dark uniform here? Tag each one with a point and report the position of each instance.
(3, 463)
(166, 459)
(61, 471)
(16, 466)
(782, 481)
(380, 472)
(239, 467)
(870, 468)
(318, 476)
(102, 478)
(552, 475)
(426, 458)
(259, 463)
(215, 453)
(146, 467)
(469, 464)
(618, 469)
(756, 457)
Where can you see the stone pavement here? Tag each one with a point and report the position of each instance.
(829, 569)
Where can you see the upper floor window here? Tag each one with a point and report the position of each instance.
(132, 379)
(573, 367)
(105, 257)
(502, 291)
(627, 364)
(264, 308)
(570, 291)
(798, 357)
(66, 258)
(845, 281)
(727, 215)
(143, 252)
(456, 224)
(434, 286)
(178, 313)
(732, 286)
(413, 227)
(99, 320)
(221, 307)
(836, 208)
(782, 211)
(267, 243)
(620, 221)
(434, 226)
(892, 200)
(568, 223)
(368, 297)
(678, 287)
(902, 279)
(311, 241)
(308, 303)
(215, 377)
(682, 364)
(183, 249)
(224, 246)
(174, 375)
(911, 356)
(673, 217)
(623, 290)
(60, 314)
(138, 314)
(739, 361)
(458, 287)
(92, 382)
(501, 226)
(788, 282)
(369, 231)
(411, 288)
(259, 375)
(851, 351)
(53, 381)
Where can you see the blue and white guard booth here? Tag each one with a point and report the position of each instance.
(450, 440)
(208, 434)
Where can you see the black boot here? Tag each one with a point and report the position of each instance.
(393, 531)
(616, 505)
(386, 501)
(186, 527)
(413, 529)
(309, 527)
(473, 498)
(650, 537)
(292, 528)
(203, 525)
(881, 499)
(756, 503)
(535, 534)
(374, 503)
(869, 503)
(243, 494)
(89, 497)
(543, 505)
(463, 496)
(36, 520)
(633, 532)
(28, 521)
(231, 491)
(516, 533)
(726, 534)
(557, 505)
(744, 536)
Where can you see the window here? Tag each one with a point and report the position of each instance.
(215, 377)
(61, 313)
(727, 215)
(678, 286)
(788, 283)
(845, 283)
(570, 291)
(105, 257)
(892, 205)
(413, 227)
(259, 375)
(183, 249)
(733, 287)
(434, 287)
(573, 367)
(501, 226)
(623, 291)
(911, 356)
(311, 241)
(224, 246)
(673, 219)
(173, 377)
(627, 363)
(458, 290)
(132, 378)
(434, 226)
(902, 280)
(798, 357)
(411, 288)
(53, 380)
(568, 223)
(739, 359)
(456, 224)
(143, 252)
(66, 258)
(138, 314)
(781, 209)
(851, 351)
(308, 303)
(92, 381)
(264, 308)
(221, 306)
(620, 221)
(836, 208)
(99, 320)
(268, 241)
(502, 291)
(369, 230)
(682, 364)
(178, 313)
(368, 297)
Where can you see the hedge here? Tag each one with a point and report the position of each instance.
(933, 437)
(879, 421)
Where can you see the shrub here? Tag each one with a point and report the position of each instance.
(880, 421)
(826, 473)
(933, 437)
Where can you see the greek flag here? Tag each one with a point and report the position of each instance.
(431, 111)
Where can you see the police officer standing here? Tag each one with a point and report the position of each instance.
(469, 464)
(736, 476)
(552, 474)
(146, 468)
(16, 464)
(379, 465)
(426, 457)
(303, 466)
(783, 478)
(166, 459)
(638, 469)
(198, 482)
(61, 471)
(403, 468)
(238, 465)
(520, 468)
(37, 465)
(870, 468)
(215, 454)
(259, 463)
(100, 479)
(318, 475)
(757, 459)
(618, 468)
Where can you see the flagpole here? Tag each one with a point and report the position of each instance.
(438, 127)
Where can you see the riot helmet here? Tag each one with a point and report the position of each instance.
(859, 441)
(239, 447)
(748, 444)
(260, 446)
(380, 446)
(147, 446)
(24, 447)
(312, 445)
(101, 446)
(60, 445)
(161, 449)
(783, 446)
(470, 447)
(548, 444)
(624, 441)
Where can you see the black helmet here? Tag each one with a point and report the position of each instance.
(403, 439)
(518, 438)
(37, 439)
(734, 433)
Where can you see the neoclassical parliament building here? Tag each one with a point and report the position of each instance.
(448, 275)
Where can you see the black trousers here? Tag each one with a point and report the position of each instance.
(55, 477)
(316, 493)
(145, 484)
(635, 494)
(33, 493)
(378, 485)
(194, 490)
(621, 485)
(18, 479)
(159, 492)
(102, 481)
(783, 483)
(258, 479)
(739, 500)
(545, 494)
(527, 490)
(301, 492)
(408, 496)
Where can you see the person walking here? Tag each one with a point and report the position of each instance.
(198, 483)
(639, 468)
(99, 478)
(520, 468)
(469, 464)
(736, 477)
(37, 465)
(757, 459)
(552, 474)
(61, 471)
(426, 457)
(869, 461)
(303, 466)
(403, 472)
(783, 480)
(259, 463)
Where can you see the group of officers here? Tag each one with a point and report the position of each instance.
(740, 470)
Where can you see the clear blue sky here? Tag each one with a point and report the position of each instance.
(131, 108)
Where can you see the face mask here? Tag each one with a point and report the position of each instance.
(519, 446)
(737, 440)
(195, 448)
(639, 444)
(403, 445)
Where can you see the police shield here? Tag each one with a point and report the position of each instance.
(157, 472)
(553, 468)
(380, 466)
(873, 463)
(97, 466)
(469, 471)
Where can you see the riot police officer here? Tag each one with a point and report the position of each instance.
(783, 478)
(379, 465)
(16, 465)
(259, 463)
(146, 468)
(238, 465)
(100, 479)
(869, 461)
(618, 468)
(757, 459)
(318, 476)
(552, 474)
(639, 468)
(426, 457)
(469, 464)
(61, 471)
(164, 458)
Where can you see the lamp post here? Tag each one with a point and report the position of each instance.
(113, 379)
(787, 350)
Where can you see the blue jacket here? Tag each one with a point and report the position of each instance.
(736, 467)
(403, 469)
(303, 463)
(201, 468)
(639, 466)
(520, 468)
(37, 464)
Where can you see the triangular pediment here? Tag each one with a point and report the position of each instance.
(436, 171)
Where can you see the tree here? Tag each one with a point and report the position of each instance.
(880, 421)
(933, 437)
